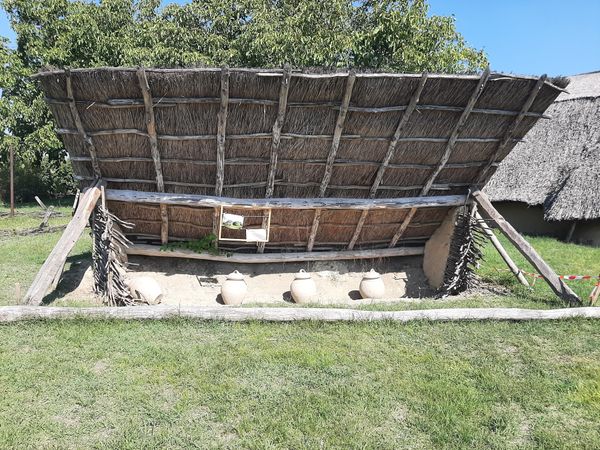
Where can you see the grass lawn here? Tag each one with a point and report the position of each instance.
(184, 384)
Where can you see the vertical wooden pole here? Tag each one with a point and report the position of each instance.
(498, 246)
(12, 181)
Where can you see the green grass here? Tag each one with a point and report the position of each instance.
(29, 215)
(565, 259)
(184, 384)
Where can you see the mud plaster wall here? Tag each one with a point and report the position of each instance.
(437, 250)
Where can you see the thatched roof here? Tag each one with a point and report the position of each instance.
(559, 163)
(346, 135)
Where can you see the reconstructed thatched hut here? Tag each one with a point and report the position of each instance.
(287, 165)
(550, 184)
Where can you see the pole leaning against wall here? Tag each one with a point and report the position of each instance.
(553, 280)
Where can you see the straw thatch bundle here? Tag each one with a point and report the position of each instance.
(214, 131)
(559, 164)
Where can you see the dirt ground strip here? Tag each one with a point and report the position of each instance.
(193, 282)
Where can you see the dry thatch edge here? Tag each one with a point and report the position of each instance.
(497, 76)
(9, 314)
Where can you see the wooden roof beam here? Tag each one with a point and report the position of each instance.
(221, 128)
(87, 140)
(277, 127)
(207, 201)
(508, 136)
(152, 136)
(447, 152)
(389, 155)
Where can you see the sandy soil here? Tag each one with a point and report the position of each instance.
(192, 282)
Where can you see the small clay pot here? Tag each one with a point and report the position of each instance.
(234, 288)
(371, 286)
(145, 289)
(303, 288)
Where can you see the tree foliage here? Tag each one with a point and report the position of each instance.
(395, 35)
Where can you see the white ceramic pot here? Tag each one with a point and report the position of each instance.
(145, 290)
(303, 288)
(371, 286)
(234, 288)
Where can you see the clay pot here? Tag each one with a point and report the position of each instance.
(303, 288)
(371, 286)
(234, 288)
(145, 290)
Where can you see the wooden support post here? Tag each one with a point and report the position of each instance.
(571, 231)
(12, 181)
(358, 229)
(51, 270)
(595, 293)
(152, 136)
(277, 127)
(335, 144)
(221, 127)
(555, 283)
(313, 230)
(447, 151)
(337, 134)
(508, 136)
(87, 140)
(498, 246)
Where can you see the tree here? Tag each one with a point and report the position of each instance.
(396, 35)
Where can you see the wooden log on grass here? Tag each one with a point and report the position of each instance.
(51, 270)
(10, 314)
(556, 284)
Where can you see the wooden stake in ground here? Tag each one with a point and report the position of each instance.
(505, 256)
(12, 181)
(52, 268)
(555, 283)
(595, 293)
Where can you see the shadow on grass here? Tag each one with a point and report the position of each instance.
(70, 278)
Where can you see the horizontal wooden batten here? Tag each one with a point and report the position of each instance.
(266, 161)
(285, 203)
(165, 102)
(168, 137)
(257, 258)
(262, 184)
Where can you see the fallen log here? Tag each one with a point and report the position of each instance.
(10, 314)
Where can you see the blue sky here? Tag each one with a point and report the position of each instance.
(527, 37)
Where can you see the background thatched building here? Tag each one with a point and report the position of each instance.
(551, 181)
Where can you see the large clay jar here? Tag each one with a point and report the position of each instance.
(234, 289)
(303, 288)
(145, 289)
(371, 286)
